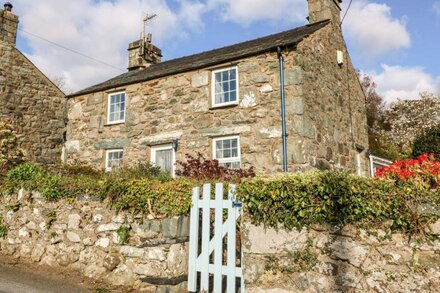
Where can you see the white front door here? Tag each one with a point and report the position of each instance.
(164, 157)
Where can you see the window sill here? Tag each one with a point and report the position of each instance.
(224, 106)
(114, 123)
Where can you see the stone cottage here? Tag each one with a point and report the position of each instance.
(29, 100)
(226, 104)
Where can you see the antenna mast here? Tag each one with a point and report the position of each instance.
(145, 20)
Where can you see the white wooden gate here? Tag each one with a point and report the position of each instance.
(203, 262)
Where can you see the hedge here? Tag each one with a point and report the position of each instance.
(303, 199)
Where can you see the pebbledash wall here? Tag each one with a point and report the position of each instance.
(29, 100)
(325, 109)
(347, 259)
(83, 236)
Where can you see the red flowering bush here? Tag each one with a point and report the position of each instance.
(423, 172)
(200, 168)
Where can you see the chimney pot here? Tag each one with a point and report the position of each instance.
(8, 6)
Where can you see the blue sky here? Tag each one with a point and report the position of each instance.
(395, 41)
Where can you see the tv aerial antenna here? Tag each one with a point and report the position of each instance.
(146, 19)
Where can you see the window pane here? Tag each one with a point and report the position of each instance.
(218, 77)
(226, 87)
(233, 96)
(112, 108)
(234, 152)
(227, 143)
(225, 75)
(232, 74)
(123, 98)
(232, 85)
(164, 159)
(227, 153)
(218, 98)
(234, 142)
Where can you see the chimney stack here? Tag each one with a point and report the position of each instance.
(8, 24)
(142, 54)
(320, 10)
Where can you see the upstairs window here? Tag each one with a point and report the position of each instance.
(227, 151)
(225, 87)
(116, 108)
(113, 160)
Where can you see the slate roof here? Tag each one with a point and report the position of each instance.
(208, 58)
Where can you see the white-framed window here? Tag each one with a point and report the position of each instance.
(164, 157)
(227, 151)
(224, 87)
(113, 159)
(116, 108)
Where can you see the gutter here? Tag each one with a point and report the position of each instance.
(283, 108)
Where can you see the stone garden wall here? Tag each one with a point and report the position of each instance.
(325, 259)
(85, 235)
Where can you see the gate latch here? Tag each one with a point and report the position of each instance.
(237, 204)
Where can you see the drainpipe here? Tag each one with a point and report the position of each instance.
(283, 109)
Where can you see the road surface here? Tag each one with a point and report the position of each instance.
(17, 280)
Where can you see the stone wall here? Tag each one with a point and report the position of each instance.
(34, 105)
(178, 106)
(327, 259)
(83, 235)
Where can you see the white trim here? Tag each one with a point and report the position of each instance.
(226, 160)
(375, 161)
(108, 108)
(162, 147)
(107, 153)
(236, 102)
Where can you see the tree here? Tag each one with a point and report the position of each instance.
(408, 119)
(379, 141)
(60, 82)
(428, 143)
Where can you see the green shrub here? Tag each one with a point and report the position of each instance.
(428, 142)
(25, 176)
(300, 200)
(10, 154)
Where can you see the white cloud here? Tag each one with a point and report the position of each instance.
(101, 29)
(373, 30)
(404, 82)
(245, 12)
(436, 7)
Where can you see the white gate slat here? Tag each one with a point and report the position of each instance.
(218, 244)
(193, 241)
(231, 244)
(204, 256)
(201, 263)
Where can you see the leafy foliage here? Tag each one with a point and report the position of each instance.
(303, 199)
(200, 168)
(3, 228)
(428, 142)
(142, 188)
(10, 154)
